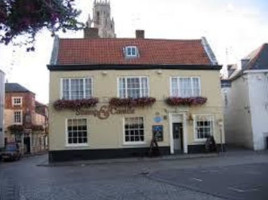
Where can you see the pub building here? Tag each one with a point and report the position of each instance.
(109, 97)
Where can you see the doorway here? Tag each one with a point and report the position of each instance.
(177, 132)
(27, 144)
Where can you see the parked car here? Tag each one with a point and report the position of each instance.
(11, 152)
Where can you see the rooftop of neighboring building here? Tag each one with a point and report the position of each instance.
(41, 108)
(15, 87)
(256, 60)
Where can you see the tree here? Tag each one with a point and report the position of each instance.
(27, 17)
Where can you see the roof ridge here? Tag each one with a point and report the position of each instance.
(117, 39)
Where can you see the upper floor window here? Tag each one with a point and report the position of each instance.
(18, 117)
(131, 51)
(16, 101)
(133, 87)
(185, 87)
(76, 88)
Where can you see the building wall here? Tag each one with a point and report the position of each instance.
(226, 92)
(258, 95)
(105, 134)
(238, 128)
(2, 106)
(37, 138)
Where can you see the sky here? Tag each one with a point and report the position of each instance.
(233, 29)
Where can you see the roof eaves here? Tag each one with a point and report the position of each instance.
(209, 51)
(131, 67)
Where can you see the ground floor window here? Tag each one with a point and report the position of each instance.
(134, 130)
(203, 126)
(76, 131)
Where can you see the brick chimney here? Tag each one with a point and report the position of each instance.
(140, 34)
(91, 33)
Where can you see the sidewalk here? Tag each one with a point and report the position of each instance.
(127, 160)
(230, 152)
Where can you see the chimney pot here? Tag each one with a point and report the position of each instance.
(140, 34)
(91, 33)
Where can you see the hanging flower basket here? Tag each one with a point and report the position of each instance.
(16, 129)
(37, 128)
(179, 101)
(131, 102)
(75, 104)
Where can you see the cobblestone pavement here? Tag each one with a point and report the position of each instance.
(24, 180)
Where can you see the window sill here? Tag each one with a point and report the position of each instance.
(17, 123)
(133, 143)
(200, 141)
(76, 145)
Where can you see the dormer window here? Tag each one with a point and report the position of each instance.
(131, 52)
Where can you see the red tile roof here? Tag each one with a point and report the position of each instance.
(152, 52)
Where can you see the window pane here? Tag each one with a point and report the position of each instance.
(185, 87)
(133, 87)
(144, 87)
(204, 126)
(196, 87)
(134, 131)
(129, 51)
(174, 87)
(65, 89)
(77, 131)
(18, 117)
(88, 88)
(76, 88)
(122, 88)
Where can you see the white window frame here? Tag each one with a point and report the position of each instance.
(16, 104)
(196, 139)
(131, 48)
(21, 117)
(84, 88)
(192, 87)
(140, 89)
(134, 143)
(67, 144)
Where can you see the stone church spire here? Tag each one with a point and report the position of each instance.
(101, 19)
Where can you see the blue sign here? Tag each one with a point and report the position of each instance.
(158, 119)
(158, 128)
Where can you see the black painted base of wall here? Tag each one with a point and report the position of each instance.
(200, 148)
(94, 154)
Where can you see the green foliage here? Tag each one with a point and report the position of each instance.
(27, 17)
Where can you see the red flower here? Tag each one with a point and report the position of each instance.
(176, 101)
(75, 104)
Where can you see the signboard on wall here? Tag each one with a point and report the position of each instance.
(158, 133)
(105, 111)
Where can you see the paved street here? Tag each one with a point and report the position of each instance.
(236, 175)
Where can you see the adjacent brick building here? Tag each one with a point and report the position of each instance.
(26, 119)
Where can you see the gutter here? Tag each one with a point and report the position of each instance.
(256, 71)
(130, 67)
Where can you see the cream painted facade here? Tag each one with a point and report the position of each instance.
(109, 133)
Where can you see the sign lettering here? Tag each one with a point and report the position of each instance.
(105, 111)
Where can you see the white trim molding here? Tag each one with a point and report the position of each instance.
(183, 120)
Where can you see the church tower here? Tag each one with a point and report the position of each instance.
(102, 19)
